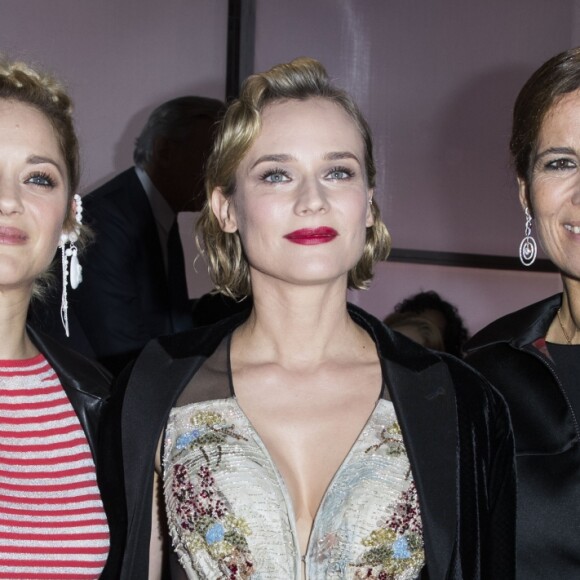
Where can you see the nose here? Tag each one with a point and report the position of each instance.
(312, 198)
(10, 199)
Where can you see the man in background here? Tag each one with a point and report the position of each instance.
(134, 286)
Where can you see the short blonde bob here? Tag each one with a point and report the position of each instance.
(301, 79)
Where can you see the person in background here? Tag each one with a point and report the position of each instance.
(304, 439)
(442, 314)
(52, 519)
(533, 355)
(418, 328)
(136, 286)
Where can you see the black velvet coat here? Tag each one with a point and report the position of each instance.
(87, 386)
(455, 427)
(511, 353)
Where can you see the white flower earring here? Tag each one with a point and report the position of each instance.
(69, 250)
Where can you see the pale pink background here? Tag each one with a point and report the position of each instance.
(437, 81)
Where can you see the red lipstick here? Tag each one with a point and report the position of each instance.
(12, 236)
(312, 236)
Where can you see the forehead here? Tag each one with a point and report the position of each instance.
(307, 121)
(27, 123)
(563, 117)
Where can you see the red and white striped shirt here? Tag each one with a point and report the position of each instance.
(52, 522)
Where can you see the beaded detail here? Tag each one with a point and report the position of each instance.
(395, 549)
(231, 517)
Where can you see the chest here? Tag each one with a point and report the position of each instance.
(308, 423)
(224, 493)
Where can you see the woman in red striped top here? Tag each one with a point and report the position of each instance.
(52, 520)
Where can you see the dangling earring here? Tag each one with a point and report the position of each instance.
(76, 271)
(528, 247)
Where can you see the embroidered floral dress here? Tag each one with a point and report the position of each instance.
(230, 514)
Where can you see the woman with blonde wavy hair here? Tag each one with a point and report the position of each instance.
(52, 520)
(303, 439)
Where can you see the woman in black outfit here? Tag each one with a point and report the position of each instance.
(533, 356)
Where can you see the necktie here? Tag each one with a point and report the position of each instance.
(177, 283)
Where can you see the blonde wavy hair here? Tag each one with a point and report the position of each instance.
(21, 83)
(301, 79)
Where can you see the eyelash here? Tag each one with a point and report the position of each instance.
(349, 172)
(561, 164)
(277, 171)
(45, 176)
(274, 171)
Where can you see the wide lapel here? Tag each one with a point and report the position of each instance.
(160, 374)
(149, 398)
(425, 405)
(420, 386)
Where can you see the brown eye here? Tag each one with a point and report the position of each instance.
(560, 164)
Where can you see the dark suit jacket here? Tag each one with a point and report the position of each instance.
(511, 352)
(455, 426)
(123, 300)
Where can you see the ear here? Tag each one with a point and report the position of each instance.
(523, 195)
(224, 211)
(370, 221)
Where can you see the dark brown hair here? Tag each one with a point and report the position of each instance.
(555, 78)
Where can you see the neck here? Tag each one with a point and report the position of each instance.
(14, 342)
(300, 327)
(568, 317)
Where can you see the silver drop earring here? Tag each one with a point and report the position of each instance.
(528, 246)
(69, 249)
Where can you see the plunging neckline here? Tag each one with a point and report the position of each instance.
(281, 481)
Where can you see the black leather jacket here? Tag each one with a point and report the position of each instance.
(512, 354)
(87, 386)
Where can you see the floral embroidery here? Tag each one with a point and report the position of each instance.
(208, 429)
(201, 512)
(397, 546)
(391, 438)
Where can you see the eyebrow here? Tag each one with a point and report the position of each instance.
(284, 157)
(280, 158)
(38, 160)
(338, 155)
(552, 151)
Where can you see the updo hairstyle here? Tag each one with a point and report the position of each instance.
(301, 79)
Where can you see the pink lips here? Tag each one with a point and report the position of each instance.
(12, 236)
(312, 236)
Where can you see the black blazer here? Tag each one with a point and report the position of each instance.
(124, 299)
(455, 426)
(511, 352)
(87, 386)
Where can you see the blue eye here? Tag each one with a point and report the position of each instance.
(41, 179)
(339, 173)
(275, 176)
